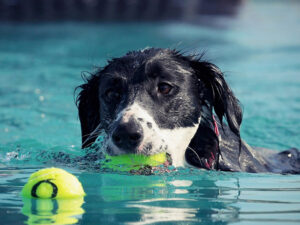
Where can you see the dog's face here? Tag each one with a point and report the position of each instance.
(147, 102)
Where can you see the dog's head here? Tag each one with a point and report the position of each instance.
(157, 100)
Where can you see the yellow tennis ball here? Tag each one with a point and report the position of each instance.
(128, 162)
(52, 183)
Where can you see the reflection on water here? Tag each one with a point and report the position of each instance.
(187, 196)
(154, 214)
(52, 211)
(191, 196)
(160, 199)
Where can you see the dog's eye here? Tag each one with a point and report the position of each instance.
(112, 94)
(164, 88)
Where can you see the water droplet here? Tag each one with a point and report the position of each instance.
(37, 91)
(41, 98)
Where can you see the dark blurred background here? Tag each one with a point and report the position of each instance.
(115, 10)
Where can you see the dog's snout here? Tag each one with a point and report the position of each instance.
(128, 135)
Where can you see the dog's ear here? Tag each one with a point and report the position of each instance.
(224, 102)
(88, 105)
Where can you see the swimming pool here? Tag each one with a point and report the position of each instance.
(259, 51)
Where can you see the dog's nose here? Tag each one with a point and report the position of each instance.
(128, 135)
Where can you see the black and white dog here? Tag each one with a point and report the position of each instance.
(158, 100)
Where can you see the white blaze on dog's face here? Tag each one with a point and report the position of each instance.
(173, 141)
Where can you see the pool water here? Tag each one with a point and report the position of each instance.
(41, 64)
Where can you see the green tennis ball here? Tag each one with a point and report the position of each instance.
(128, 162)
(52, 183)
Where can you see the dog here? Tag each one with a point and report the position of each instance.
(160, 100)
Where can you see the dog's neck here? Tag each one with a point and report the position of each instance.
(180, 142)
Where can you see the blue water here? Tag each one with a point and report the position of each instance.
(41, 64)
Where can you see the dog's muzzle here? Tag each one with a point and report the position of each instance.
(128, 135)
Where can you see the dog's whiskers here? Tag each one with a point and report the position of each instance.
(198, 157)
(94, 133)
(89, 134)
